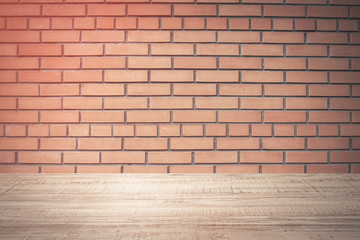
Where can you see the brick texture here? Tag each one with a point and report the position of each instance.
(185, 86)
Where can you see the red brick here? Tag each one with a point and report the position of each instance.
(348, 25)
(8, 103)
(262, 76)
(169, 130)
(216, 76)
(306, 157)
(194, 116)
(328, 90)
(84, 23)
(19, 169)
(39, 157)
(19, 90)
(194, 36)
(18, 144)
(169, 157)
(61, 23)
(172, 76)
(217, 49)
(240, 90)
(102, 116)
(40, 103)
(261, 50)
(171, 103)
(145, 169)
(326, 25)
(259, 130)
(350, 130)
(15, 130)
(104, 36)
(327, 11)
(306, 77)
(328, 143)
(39, 23)
(261, 103)
(285, 90)
(100, 144)
(82, 103)
(309, 50)
(125, 23)
(83, 76)
(328, 64)
(7, 157)
(304, 24)
(194, 23)
(146, 130)
(171, 23)
(327, 169)
(149, 62)
(343, 157)
(40, 76)
(283, 143)
(83, 49)
(145, 144)
(106, 10)
(194, 89)
(345, 51)
(194, 63)
(102, 89)
(126, 103)
(148, 89)
(8, 50)
(60, 90)
(194, 10)
(59, 117)
(126, 76)
(148, 23)
(20, 10)
(148, 116)
(60, 36)
(355, 168)
(103, 62)
(282, 116)
(237, 143)
(239, 130)
(306, 103)
(239, 37)
(284, 130)
(191, 169)
(123, 157)
(237, 169)
(216, 103)
(283, 24)
(326, 117)
(239, 116)
(306, 130)
(334, 38)
(57, 144)
(260, 24)
(19, 117)
(123, 130)
(126, 49)
(306, 1)
(285, 63)
(101, 130)
(98, 169)
(328, 130)
(283, 37)
(63, 10)
(344, 103)
(149, 10)
(8, 76)
(192, 130)
(240, 63)
(216, 157)
(20, 36)
(192, 143)
(261, 157)
(284, 11)
(7, 63)
(81, 157)
(149, 36)
(239, 24)
(355, 64)
(240, 10)
(282, 169)
(105, 23)
(60, 63)
(216, 23)
(58, 131)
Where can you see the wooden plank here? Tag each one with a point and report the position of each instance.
(171, 206)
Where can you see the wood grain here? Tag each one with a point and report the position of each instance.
(160, 206)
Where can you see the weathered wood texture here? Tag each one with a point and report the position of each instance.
(271, 207)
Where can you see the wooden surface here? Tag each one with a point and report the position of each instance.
(260, 206)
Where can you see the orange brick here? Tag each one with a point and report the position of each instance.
(306, 103)
(282, 116)
(285, 63)
(310, 50)
(61, 23)
(306, 157)
(261, 103)
(100, 144)
(103, 62)
(283, 24)
(102, 116)
(191, 169)
(334, 38)
(125, 23)
(40, 76)
(105, 36)
(306, 130)
(216, 76)
(83, 49)
(216, 103)
(240, 63)
(194, 116)
(60, 36)
(239, 130)
(126, 103)
(126, 76)
(57, 169)
(328, 130)
(285, 90)
(59, 117)
(148, 116)
(261, 157)
(240, 116)
(37, 130)
(194, 36)
(15, 130)
(7, 63)
(171, 76)
(344, 103)
(284, 130)
(19, 90)
(344, 77)
(171, 103)
(58, 131)
(39, 23)
(239, 37)
(79, 130)
(101, 130)
(84, 23)
(306, 77)
(149, 36)
(194, 23)
(58, 144)
(194, 89)
(81, 157)
(325, 117)
(327, 169)
(194, 10)
(328, 143)
(283, 37)
(39, 157)
(284, 11)
(171, 23)
(145, 169)
(327, 11)
(8, 76)
(18, 144)
(123, 157)
(105, 23)
(148, 89)
(40, 103)
(216, 23)
(283, 143)
(217, 49)
(237, 169)
(145, 144)
(215, 157)
(260, 130)
(328, 64)
(343, 157)
(19, 10)
(282, 169)
(102, 89)
(123, 130)
(149, 62)
(8, 103)
(171, 130)
(98, 169)
(126, 49)
(83, 76)
(60, 90)
(240, 10)
(106, 10)
(149, 10)
(20, 36)
(60, 63)
(194, 63)
(192, 130)
(146, 130)
(40, 50)
(239, 24)
(19, 117)
(172, 49)
(328, 90)
(262, 76)
(19, 169)
(63, 10)
(261, 50)
(169, 157)
(192, 143)
(238, 143)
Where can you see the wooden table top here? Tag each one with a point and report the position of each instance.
(168, 206)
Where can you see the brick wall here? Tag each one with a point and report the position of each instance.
(195, 86)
